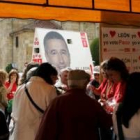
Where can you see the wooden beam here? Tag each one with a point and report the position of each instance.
(135, 5)
(120, 5)
(67, 14)
(71, 3)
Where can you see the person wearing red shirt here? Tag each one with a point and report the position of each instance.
(107, 87)
(11, 85)
(118, 73)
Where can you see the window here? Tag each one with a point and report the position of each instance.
(17, 41)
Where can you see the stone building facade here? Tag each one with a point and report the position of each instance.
(17, 37)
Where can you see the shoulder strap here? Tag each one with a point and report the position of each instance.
(34, 104)
(119, 124)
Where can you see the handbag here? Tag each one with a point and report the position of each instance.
(34, 104)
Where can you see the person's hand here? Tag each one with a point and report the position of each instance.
(102, 102)
(108, 109)
(88, 86)
(92, 88)
(13, 80)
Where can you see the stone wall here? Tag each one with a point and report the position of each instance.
(5, 43)
(91, 29)
(8, 52)
(23, 52)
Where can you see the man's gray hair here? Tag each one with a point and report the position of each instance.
(65, 69)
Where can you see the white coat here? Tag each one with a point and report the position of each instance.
(27, 118)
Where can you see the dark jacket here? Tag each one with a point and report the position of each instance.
(73, 116)
(4, 132)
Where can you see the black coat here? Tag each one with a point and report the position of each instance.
(73, 116)
(4, 132)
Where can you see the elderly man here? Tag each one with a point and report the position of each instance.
(62, 84)
(74, 115)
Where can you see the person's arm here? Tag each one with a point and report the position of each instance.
(9, 88)
(97, 91)
(93, 89)
(13, 80)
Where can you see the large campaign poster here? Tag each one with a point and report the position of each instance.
(123, 43)
(62, 49)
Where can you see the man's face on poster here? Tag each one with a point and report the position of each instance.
(57, 53)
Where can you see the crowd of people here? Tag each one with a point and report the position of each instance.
(44, 104)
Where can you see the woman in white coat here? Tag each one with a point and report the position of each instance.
(25, 115)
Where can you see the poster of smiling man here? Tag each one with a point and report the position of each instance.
(62, 49)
